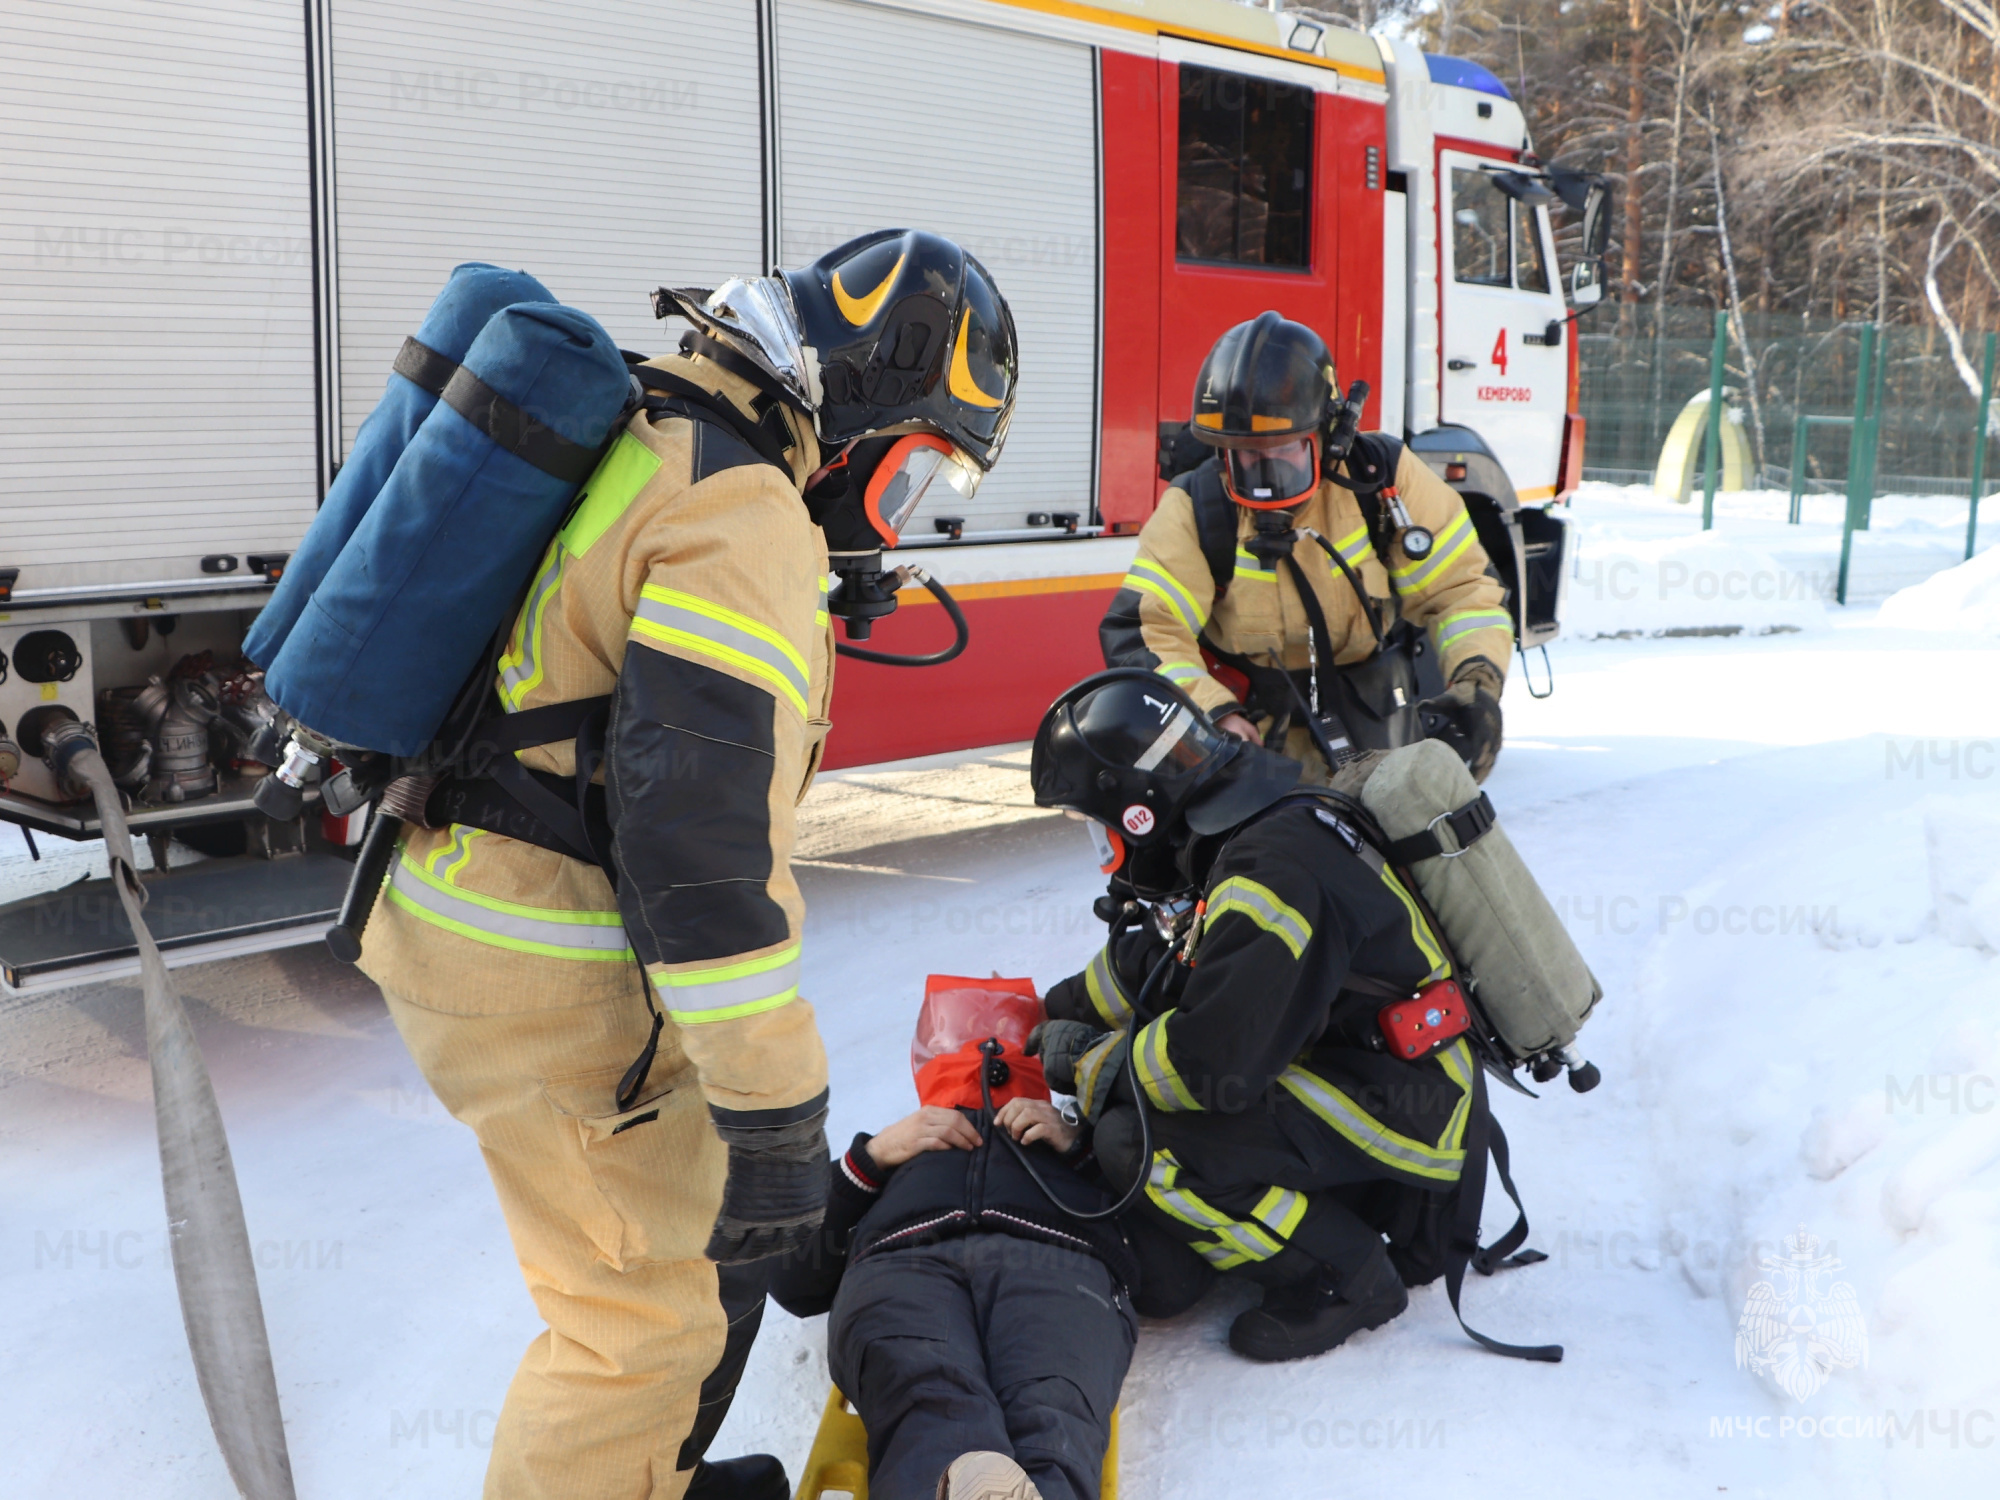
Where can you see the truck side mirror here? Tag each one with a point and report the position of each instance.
(1597, 220)
(1586, 287)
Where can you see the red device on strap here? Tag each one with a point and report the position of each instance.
(1426, 1021)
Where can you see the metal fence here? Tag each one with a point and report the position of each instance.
(1851, 408)
(1637, 373)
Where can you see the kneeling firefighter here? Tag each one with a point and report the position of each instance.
(1311, 564)
(590, 939)
(1229, 1047)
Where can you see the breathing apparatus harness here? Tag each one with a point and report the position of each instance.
(1374, 699)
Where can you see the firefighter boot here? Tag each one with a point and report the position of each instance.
(755, 1476)
(1320, 1312)
(986, 1476)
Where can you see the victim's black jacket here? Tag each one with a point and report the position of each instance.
(939, 1196)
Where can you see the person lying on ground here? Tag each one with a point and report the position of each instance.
(981, 1333)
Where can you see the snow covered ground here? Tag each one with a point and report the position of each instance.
(1781, 854)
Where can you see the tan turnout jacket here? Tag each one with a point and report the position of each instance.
(691, 582)
(1168, 603)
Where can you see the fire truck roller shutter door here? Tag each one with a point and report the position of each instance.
(611, 154)
(156, 372)
(858, 82)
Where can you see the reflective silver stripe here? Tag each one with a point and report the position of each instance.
(522, 673)
(587, 935)
(1175, 731)
(1262, 906)
(1180, 671)
(1156, 1072)
(1149, 577)
(1248, 566)
(1465, 622)
(1281, 1211)
(1101, 983)
(711, 630)
(739, 989)
(1370, 1135)
(1247, 1240)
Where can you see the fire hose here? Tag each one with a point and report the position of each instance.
(213, 1265)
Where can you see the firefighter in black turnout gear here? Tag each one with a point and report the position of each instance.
(1224, 1044)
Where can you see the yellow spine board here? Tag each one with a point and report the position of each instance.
(838, 1462)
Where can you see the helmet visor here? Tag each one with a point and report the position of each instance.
(1266, 478)
(917, 464)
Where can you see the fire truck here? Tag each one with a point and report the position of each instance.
(222, 217)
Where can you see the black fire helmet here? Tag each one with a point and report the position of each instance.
(905, 328)
(1133, 751)
(1266, 383)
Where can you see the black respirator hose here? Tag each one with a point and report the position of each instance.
(1146, 992)
(935, 658)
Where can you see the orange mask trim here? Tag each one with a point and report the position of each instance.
(1286, 504)
(886, 470)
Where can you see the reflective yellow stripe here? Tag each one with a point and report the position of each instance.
(1355, 547)
(1470, 621)
(1148, 577)
(708, 629)
(693, 996)
(1182, 672)
(1156, 1072)
(1260, 905)
(1107, 996)
(521, 666)
(1450, 544)
(1441, 1162)
(1280, 1211)
(1420, 930)
(1249, 567)
(1235, 1243)
(580, 936)
(1090, 1065)
(449, 858)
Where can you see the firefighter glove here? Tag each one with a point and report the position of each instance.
(1059, 1044)
(775, 1195)
(1466, 715)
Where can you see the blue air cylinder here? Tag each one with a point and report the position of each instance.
(475, 292)
(407, 610)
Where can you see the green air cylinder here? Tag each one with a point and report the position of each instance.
(1528, 979)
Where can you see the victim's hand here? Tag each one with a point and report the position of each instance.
(932, 1128)
(1032, 1120)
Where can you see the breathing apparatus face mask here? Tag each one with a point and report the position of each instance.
(1272, 478)
(863, 501)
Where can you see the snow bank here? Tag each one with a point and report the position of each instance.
(1844, 1067)
(1642, 565)
(1965, 599)
(1964, 842)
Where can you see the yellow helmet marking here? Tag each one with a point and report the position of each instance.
(963, 386)
(860, 311)
(1209, 419)
(1269, 424)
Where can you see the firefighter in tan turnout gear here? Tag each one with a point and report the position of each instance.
(600, 973)
(1280, 566)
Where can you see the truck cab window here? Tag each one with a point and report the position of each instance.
(1531, 268)
(1245, 189)
(1478, 229)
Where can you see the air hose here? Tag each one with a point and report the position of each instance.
(935, 658)
(213, 1265)
(991, 1048)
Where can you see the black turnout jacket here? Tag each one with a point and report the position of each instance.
(1294, 903)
